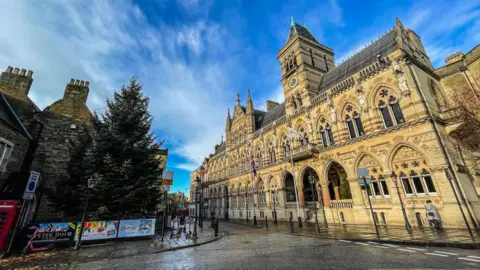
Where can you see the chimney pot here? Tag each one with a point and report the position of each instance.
(87, 83)
(23, 71)
(9, 69)
(16, 70)
(72, 81)
(77, 82)
(29, 74)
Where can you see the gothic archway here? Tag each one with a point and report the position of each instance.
(308, 193)
(338, 186)
(289, 187)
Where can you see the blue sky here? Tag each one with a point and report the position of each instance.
(194, 56)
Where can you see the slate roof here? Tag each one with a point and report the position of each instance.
(9, 116)
(221, 147)
(297, 29)
(382, 46)
(272, 115)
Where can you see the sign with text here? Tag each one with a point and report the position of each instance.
(52, 232)
(167, 182)
(96, 230)
(136, 227)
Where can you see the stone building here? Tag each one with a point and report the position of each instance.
(41, 139)
(381, 109)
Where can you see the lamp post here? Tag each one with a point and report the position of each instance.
(197, 193)
(90, 184)
(274, 209)
(311, 179)
(407, 224)
(202, 172)
(165, 200)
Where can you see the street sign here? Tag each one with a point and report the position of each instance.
(31, 185)
(167, 182)
(363, 176)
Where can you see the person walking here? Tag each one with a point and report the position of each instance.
(432, 215)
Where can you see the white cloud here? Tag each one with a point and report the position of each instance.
(184, 69)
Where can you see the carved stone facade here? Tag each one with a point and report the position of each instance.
(372, 111)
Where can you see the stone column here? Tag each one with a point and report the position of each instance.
(301, 199)
(326, 196)
(337, 193)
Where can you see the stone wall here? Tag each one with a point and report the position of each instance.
(20, 148)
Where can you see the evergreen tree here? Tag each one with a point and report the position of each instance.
(123, 154)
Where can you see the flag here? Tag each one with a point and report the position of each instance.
(252, 161)
(293, 134)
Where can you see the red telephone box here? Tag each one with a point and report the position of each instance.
(9, 210)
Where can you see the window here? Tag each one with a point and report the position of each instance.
(330, 135)
(324, 137)
(326, 134)
(427, 180)
(420, 222)
(375, 187)
(407, 188)
(354, 124)
(390, 109)
(417, 183)
(384, 219)
(383, 185)
(5, 151)
(342, 217)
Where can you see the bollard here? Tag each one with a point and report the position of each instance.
(216, 227)
(300, 222)
(266, 222)
(291, 224)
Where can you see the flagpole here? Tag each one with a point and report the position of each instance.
(294, 178)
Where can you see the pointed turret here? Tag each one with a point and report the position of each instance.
(228, 124)
(298, 30)
(249, 104)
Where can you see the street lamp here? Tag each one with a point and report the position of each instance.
(407, 224)
(311, 179)
(197, 187)
(165, 201)
(92, 181)
(325, 224)
(202, 172)
(274, 209)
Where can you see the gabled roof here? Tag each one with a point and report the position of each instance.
(272, 115)
(382, 46)
(9, 117)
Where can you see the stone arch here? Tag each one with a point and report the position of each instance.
(343, 107)
(372, 98)
(309, 193)
(361, 158)
(408, 150)
(337, 183)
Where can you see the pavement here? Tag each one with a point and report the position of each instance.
(246, 247)
(109, 250)
(392, 234)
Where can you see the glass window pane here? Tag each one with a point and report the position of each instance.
(384, 187)
(406, 186)
(397, 112)
(358, 122)
(417, 184)
(324, 138)
(330, 136)
(351, 129)
(387, 119)
(429, 184)
(376, 188)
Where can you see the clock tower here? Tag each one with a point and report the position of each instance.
(303, 62)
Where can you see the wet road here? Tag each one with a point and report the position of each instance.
(251, 248)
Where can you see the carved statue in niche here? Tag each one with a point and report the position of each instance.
(333, 113)
(309, 124)
(402, 81)
(362, 100)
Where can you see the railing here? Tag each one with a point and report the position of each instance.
(303, 151)
(341, 204)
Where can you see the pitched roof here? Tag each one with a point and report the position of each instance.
(296, 29)
(8, 116)
(382, 46)
(221, 147)
(272, 115)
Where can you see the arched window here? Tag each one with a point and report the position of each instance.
(326, 133)
(354, 124)
(390, 109)
(427, 179)
(378, 187)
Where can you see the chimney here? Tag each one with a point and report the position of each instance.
(16, 81)
(271, 105)
(454, 58)
(76, 91)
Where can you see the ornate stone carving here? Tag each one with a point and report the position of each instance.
(367, 161)
(402, 81)
(406, 153)
(362, 100)
(331, 108)
(309, 123)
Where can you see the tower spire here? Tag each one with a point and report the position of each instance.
(238, 100)
(249, 103)
(228, 125)
(292, 22)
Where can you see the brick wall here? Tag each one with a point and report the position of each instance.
(20, 148)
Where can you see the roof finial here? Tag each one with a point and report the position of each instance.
(292, 22)
(305, 25)
(238, 99)
(222, 138)
(398, 22)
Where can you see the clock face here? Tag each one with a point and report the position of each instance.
(293, 82)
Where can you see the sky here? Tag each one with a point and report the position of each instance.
(194, 56)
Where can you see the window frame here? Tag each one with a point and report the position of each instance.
(7, 153)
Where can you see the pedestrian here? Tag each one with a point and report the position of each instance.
(432, 215)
